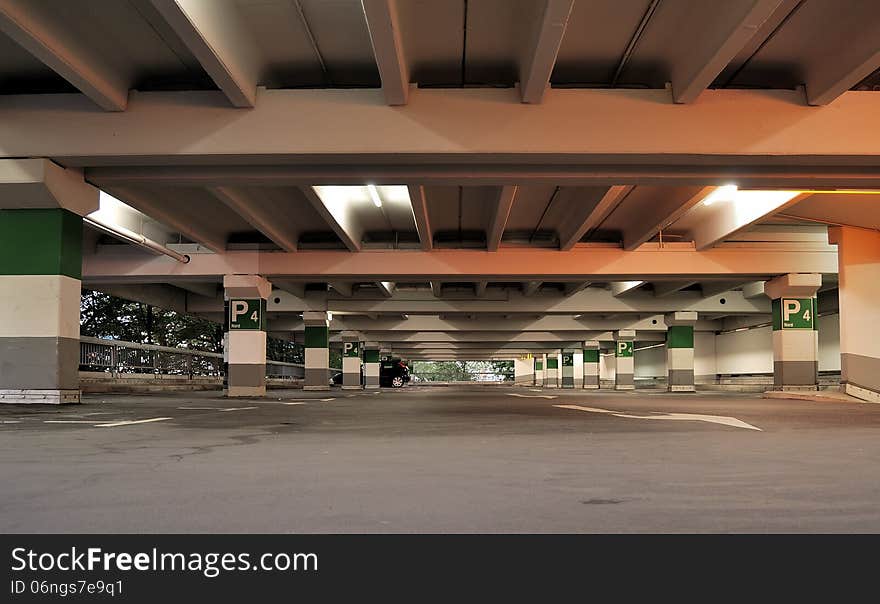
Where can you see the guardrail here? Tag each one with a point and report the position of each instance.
(118, 357)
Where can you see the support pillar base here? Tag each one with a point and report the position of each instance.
(316, 388)
(681, 388)
(624, 387)
(863, 393)
(591, 386)
(352, 388)
(44, 397)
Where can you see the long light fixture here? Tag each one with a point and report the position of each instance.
(725, 193)
(374, 195)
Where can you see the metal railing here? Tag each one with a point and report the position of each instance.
(117, 357)
(483, 377)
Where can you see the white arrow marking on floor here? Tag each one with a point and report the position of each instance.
(137, 421)
(239, 408)
(530, 395)
(690, 417)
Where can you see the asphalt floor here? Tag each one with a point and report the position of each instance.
(440, 460)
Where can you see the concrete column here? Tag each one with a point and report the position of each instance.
(524, 370)
(680, 351)
(351, 360)
(539, 370)
(623, 353)
(371, 365)
(244, 342)
(591, 364)
(795, 331)
(40, 272)
(858, 256)
(551, 373)
(317, 350)
(41, 210)
(568, 368)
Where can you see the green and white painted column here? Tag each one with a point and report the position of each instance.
(539, 369)
(680, 351)
(351, 361)
(623, 356)
(244, 346)
(41, 209)
(317, 346)
(371, 365)
(568, 368)
(551, 373)
(591, 364)
(795, 330)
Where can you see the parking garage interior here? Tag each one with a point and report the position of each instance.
(664, 214)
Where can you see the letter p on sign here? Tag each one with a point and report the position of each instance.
(791, 307)
(239, 307)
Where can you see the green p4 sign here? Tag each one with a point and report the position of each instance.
(246, 315)
(567, 360)
(794, 313)
(350, 349)
(625, 348)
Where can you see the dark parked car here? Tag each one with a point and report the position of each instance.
(393, 373)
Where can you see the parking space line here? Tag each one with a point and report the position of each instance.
(293, 403)
(691, 417)
(10, 421)
(548, 396)
(69, 421)
(198, 408)
(132, 422)
(239, 408)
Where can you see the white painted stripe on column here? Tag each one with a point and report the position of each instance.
(795, 345)
(133, 422)
(317, 358)
(371, 369)
(247, 347)
(43, 306)
(625, 365)
(680, 358)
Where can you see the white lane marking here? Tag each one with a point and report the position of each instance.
(10, 421)
(198, 408)
(688, 417)
(69, 421)
(294, 403)
(132, 422)
(239, 408)
(530, 395)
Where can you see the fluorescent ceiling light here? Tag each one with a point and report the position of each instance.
(725, 193)
(374, 195)
(329, 316)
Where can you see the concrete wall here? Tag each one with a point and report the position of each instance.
(829, 343)
(650, 362)
(748, 351)
(705, 365)
(607, 367)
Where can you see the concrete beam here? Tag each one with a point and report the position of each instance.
(343, 289)
(386, 288)
(709, 38)
(540, 58)
(420, 216)
(666, 288)
(608, 133)
(726, 218)
(158, 211)
(755, 289)
(499, 211)
(589, 213)
(342, 220)
(254, 215)
(214, 32)
(480, 288)
(593, 300)
(42, 33)
(384, 26)
(577, 286)
(530, 288)
(587, 262)
(851, 54)
(437, 289)
(661, 207)
(622, 288)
